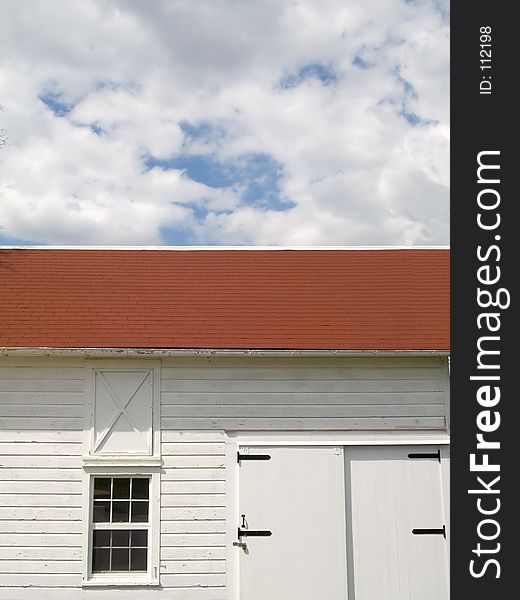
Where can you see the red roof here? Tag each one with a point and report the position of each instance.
(244, 299)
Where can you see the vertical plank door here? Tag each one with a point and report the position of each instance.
(299, 496)
(395, 520)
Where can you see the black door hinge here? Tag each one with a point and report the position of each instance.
(430, 531)
(436, 455)
(252, 457)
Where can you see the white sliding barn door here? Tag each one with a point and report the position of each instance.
(299, 496)
(392, 494)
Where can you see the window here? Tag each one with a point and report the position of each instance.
(120, 516)
(122, 541)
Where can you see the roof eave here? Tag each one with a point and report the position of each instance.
(211, 352)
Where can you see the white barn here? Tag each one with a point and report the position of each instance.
(183, 424)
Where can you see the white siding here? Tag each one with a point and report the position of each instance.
(304, 394)
(41, 422)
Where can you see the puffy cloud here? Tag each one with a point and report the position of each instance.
(253, 122)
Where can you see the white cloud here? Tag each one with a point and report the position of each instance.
(134, 74)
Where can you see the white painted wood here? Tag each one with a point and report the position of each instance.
(71, 593)
(200, 553)
(46, 487)
(193, 539)
(388, 495)
(39, 566)
(188, 527)
(46, 423)
(197, 474)
(39, 449)
(40, 540)
(34, 437)
(193, 500)
(192, 436)
(50, 398)
(122, 417)
(188, 462)
(41, 410)
(39, 474)
(195, 449)
(41, 385)
(41, 435)
(193, 580)
(28, 461)
(39, 554)
(192, 514)
(193, 487)
(306, 424)
(30, 513)
(43, 527)
(273, 410)
(193, 566)
(305, 556)
(375, 394)
(50, 500)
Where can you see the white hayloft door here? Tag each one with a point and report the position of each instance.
(363, 523)
(122, 411)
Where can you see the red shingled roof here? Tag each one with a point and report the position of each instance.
(245, 299)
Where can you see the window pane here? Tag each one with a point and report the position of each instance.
(101, 487)
(139, 538)
(101, 513)
(121, 488)
(120, 511)
(140, 489)
(100, 559)
(101, 538)
(139, 512)
(120, 559)
(138, 560)
(121, 537)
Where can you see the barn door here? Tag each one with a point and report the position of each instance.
(396, 524)
(292, 524)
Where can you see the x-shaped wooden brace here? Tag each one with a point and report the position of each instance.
(121, 405)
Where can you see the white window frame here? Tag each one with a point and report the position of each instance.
(132, 578)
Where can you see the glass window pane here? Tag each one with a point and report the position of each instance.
(121, 537)
(120, 559)
(101, 512)
(100, 559)
(102, 487)
(101, 538)
(120, 511)
(139, 512)
(121, 488)
(139, 538)
(140, 489)
(138, 560)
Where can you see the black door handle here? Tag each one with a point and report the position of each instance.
(253, 533)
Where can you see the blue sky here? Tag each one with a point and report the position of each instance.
(321, 123)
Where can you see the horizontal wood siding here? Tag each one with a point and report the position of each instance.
(41, 422)
(41, 410)
(193, 501)
(304, 394)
